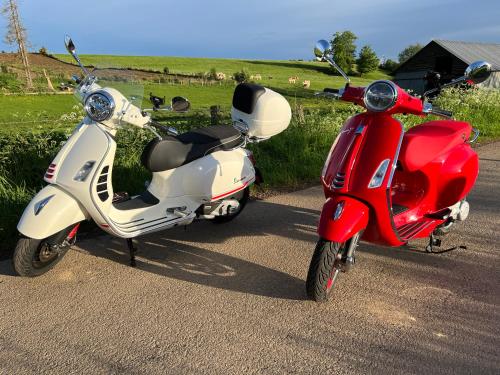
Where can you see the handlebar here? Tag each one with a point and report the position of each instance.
(332, 91)
(405, 103)
(441, 112)
(165, 129)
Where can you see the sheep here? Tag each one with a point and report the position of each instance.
(220, 76)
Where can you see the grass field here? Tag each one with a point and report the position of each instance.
(274, 73)
(20, 112)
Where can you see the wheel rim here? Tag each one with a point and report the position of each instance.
(47, 254)
(335, 272)
(44, 256)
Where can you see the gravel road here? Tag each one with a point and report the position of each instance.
(230, 299)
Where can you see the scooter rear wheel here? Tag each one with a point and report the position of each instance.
(34, 257)
(242, 197)
(324, 269)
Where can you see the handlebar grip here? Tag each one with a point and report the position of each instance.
(332, 91)
(442, 112)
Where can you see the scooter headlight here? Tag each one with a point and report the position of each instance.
(100, 106)
(380, 96)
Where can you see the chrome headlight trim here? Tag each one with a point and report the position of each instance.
(99, 111)
(394, 98)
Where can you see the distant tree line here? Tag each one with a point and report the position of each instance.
(344, 50)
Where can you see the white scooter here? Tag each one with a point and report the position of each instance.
(205, 173)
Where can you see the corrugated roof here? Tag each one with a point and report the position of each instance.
(469, 52)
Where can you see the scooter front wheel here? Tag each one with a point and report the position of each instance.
(324, 269)
(34, 257)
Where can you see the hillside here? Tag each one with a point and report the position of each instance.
(273, 72)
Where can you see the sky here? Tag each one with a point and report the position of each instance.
(252, 29)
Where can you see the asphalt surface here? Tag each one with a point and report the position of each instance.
(230, 299)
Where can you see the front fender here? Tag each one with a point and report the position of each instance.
(353, 218)
(59, 212)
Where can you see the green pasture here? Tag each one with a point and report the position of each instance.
(274, 73)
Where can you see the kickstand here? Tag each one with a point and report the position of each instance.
(132, 250)
(433, 241)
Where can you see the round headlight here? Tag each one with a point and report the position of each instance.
(380, 96)
(99, 106)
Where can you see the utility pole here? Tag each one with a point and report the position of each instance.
(17, 33)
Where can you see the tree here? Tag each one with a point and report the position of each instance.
(367, 60)
(344, 49)
(389, 65)
(408, 52)
(16, 33)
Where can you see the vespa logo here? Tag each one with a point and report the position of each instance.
(236, 180)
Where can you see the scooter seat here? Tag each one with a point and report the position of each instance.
(425, 142)
(172, 152)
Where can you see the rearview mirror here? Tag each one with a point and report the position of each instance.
(180, 104)
(70, 46)
(478, 72)
(321, 48)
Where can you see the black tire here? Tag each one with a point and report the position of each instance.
(242, 197)
(324, 270)
(35, 257)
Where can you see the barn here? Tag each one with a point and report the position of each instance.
(450, 59)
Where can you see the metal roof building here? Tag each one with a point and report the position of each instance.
(450, 59)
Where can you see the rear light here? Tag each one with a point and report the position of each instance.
(51, 170)
(251, 157)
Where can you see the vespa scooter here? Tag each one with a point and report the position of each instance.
(201, 174)
(385, 186)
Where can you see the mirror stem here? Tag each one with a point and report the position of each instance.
(338, 68)
(77, 59)
(451, 83)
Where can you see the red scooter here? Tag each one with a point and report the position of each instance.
(385, 186)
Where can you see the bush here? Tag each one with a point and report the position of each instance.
(241, 76)
(166, 70)
(43, 51)
(389, 65)
(212, 74)
(9, 82)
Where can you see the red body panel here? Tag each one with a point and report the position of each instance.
(431, 168)
(354, 218)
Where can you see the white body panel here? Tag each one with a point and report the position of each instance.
(60, 212)
(188, 187)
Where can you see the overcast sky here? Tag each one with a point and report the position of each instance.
(259, 29)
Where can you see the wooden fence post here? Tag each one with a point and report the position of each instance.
(215, 115)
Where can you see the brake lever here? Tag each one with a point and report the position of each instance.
(330, 95)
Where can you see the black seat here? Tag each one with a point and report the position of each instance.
(172, 152)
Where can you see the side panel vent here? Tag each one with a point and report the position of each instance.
(338, 181)
(102, 185)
